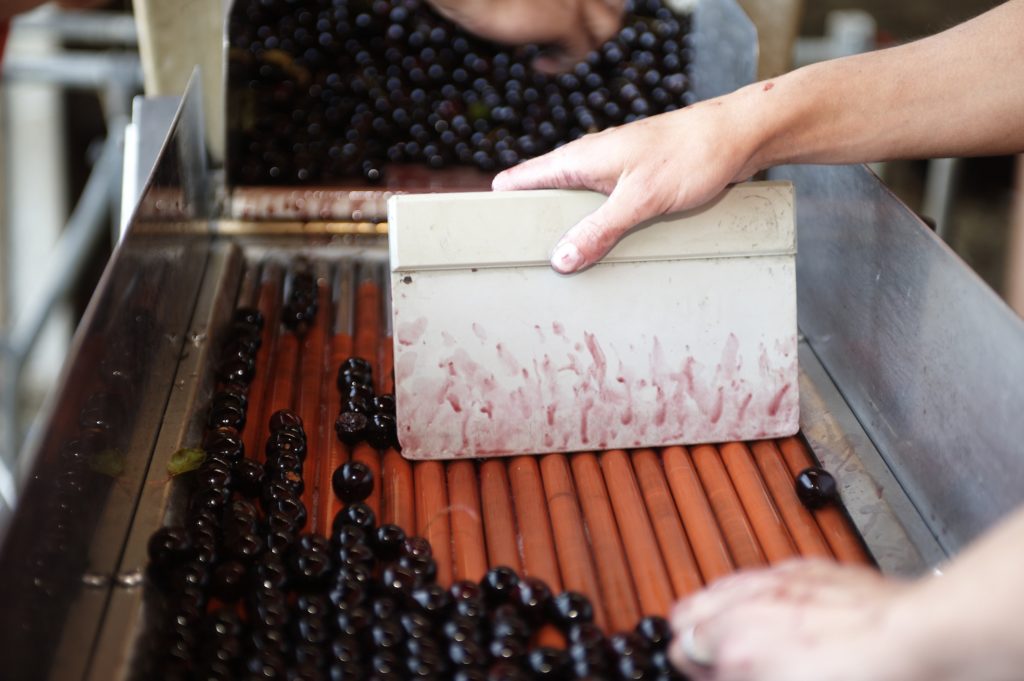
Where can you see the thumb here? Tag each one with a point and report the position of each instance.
(592, 237)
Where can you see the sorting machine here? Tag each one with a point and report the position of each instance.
(910, 383)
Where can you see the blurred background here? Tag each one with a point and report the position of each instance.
(68, 81)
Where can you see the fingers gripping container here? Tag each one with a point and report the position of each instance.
(684, 333)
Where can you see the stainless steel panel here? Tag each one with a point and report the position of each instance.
(83, 472)
(725, 49)
(125, 619)
(879, 508)
(927, 356)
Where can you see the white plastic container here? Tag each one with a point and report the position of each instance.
(685, 333)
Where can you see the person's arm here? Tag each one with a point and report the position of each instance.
(575, 27)
(957, 93)
(807, 621)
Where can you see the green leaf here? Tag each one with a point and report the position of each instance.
(108, 462)
(185, 459)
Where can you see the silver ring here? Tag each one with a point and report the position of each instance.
(698, 655)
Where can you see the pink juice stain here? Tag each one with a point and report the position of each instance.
(410, 333)
(773, 407)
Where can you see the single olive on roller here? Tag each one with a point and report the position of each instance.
(816, 487)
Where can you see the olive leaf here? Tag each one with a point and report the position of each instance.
(184, 460)
(108, 462)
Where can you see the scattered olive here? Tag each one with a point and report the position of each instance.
(816, 487)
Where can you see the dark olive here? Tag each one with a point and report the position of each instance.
(816, 487)
(352, 481)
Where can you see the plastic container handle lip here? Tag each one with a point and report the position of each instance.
(519, 229)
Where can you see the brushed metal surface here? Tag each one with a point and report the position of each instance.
(180, 427)
(725, 49)
(61, 548)
(879, 508)
(929, 359)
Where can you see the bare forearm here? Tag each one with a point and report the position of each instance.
(966, 624)
(958, 93)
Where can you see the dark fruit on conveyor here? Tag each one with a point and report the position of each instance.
(384, 404)
(548, 663)
(226, 416)
(816, 487)
(358, 514)
(499, 585)
(352, 481)
(224, 443)
(247, 594)
(286, 442)
(389, 542)
(572, 608)
(337, 90)
(354, 371)
(285, 419)
(250, 316)
(656, 631)
(300, 309)
(351, 427)
(168, 547)
(382, 431)
(357, 364)
(236, 371)
(533, 598)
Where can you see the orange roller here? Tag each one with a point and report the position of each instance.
(796, 456)
(336, 452)
(371, 457)
(368, 317)
(467, 523)
(310, 404)
(282, 387)
(499, 516)
(539, 559)
(834, 524)
(620, 601)
(771, 532)
(398, 500)
(709, 547)
(650, 577)
(802, 526)
(675, 549)
(432, 520)
(549, 636)
(270, 306)
(578, 573)
(736, 529)
(386, 379)
(366, 342)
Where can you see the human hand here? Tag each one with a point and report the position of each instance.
(666, 163)
(800, 621)
(573, 27)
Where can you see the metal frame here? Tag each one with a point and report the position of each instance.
(725, 49)
(880, 297)
(928, 357)
(117, 76)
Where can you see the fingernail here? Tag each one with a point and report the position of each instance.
(567, 258)
(500, 182)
